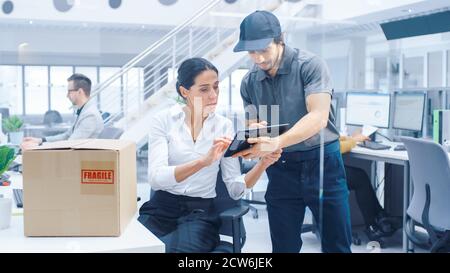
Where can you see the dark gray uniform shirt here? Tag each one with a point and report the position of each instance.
(300, 74)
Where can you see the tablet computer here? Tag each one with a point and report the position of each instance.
(240, 143)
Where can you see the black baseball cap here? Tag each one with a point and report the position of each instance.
(257, 31)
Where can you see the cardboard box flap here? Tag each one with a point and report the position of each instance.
(104, 144)
(60, 145)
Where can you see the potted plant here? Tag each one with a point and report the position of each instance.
(12, 126)
(7, 156)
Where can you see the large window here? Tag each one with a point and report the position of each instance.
(435, 69)
(88, 71)
(36, 89)
(110, 99)
(380, 73)
(11, 89)
(133, 82)
(91, 73)
(394, 72)
(413, 71)
(58, 89)
(236, 100)
(223, 102)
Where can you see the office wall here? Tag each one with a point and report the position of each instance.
(343, 9)
(72, 47)
(130, 12)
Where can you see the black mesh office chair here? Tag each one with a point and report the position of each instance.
(52, 117)
(231, 212)
(246, 166)
(110, 133)
(105, 116)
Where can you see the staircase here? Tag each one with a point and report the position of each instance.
(146, 84)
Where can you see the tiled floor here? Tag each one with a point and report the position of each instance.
(258, 238)
(258, 235)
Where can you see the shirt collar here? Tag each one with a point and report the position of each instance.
(285, 65)
(80, 109)
(176, 111)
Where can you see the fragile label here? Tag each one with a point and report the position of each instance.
(97, 177)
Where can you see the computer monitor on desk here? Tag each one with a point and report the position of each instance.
(409, 111)
(368, 109)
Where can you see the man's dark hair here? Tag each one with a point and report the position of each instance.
(81, 81)
(279, 39)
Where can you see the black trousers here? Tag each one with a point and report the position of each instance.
(294, 185)
(185, 224)
(359, 181)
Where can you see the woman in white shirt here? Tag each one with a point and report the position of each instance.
(186, 147)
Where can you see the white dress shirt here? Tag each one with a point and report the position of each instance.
(171, 144)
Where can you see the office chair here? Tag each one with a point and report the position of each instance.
(51, 117)
(105, 116)
(231, 212)
(246, 166)
(111, 133)
(430, 202)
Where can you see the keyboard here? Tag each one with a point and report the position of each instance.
(18, 197)
(400, 148)
(373, 145)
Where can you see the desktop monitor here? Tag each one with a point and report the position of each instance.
(408, 111)
(368, 109)
(4, 112)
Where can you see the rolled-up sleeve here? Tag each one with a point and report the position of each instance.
(316, 77)
(231, 172)
(161, 176)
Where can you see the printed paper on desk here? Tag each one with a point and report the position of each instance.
(367, 130)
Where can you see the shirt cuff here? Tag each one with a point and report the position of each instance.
(241, 180)
(164, 177)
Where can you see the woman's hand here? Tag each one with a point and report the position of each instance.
(220, 145)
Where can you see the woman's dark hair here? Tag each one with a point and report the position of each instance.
(189, 70)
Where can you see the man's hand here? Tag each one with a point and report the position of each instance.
(358, 137)
(255, 125)
(262, 146)
(30, 142)
(271, 158)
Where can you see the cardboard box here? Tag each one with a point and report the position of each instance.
(79, 188)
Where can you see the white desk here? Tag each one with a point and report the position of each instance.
(136, 238)
(41, 130)
(397, 158)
